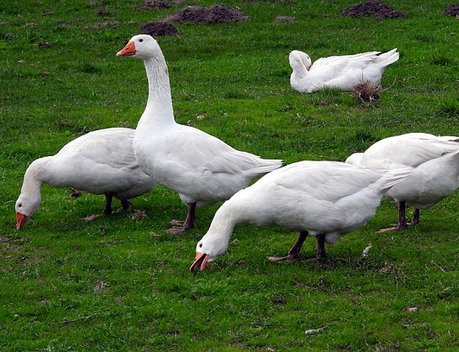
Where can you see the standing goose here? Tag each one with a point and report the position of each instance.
(435, 164)
(343, 72)
(100, 162)
(321, 198)
(201, 168)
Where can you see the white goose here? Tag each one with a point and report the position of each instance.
(435, 164)
(343, 72)
(100, 162)
(321, 198)
(200, 167)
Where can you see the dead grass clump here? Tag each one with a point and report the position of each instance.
(213, 14)
(366, 92)
(372, 8)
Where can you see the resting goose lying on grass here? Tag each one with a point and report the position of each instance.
(343, 72)
(201, 168)
(100, 162)
(319, 198)
(435, 164)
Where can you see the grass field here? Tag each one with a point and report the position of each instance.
(121, 283)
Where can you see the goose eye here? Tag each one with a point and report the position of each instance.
(20, 205)
(141, 40)
(200, 245)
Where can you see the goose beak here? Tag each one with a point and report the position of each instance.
(200, 262)
(20, 220)
(128, 50)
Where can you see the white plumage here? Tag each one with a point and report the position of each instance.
(321, 198)
(200, 167)
(435, 164)
(343, 72)
(100, 162)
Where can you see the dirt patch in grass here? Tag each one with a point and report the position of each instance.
(103, 25)
(279, 301)
(212, 14)
(158, 29)
(139, 214)
(155, 5)
(284, 19)
(101, 286)
(44, 45)
(14, 240)
(452, 10)
(372, 8)
(103, 13)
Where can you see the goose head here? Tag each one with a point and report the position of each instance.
(142, 46)
(208, 249)
(299, 60)
(25, 207)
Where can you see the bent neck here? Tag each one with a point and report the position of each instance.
(300, 71)
(34, 177)
(159, 105)
(226, 218)
(223, 223)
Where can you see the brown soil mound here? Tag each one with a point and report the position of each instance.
(158, 29)
(213, 14)
(155, 4)
(452, 10)
(372, 8)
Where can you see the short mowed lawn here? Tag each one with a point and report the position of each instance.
(121, 283)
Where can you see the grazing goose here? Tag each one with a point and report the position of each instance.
(321, 198)
(100, 162)
(200, 167)
(343, 72)
(435, 164)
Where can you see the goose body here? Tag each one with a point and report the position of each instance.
(320, 198)
(200, 167)
(343, 72)
(100, 162)
(434, 161)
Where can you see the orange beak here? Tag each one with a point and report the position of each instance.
(20, 220)
(128, 50)
(200, 262)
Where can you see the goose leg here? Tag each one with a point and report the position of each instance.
(124, 202)
(108, 203)
(416, 217)
(320, 247)
(187, 224)
(402, 224)
(294, 252)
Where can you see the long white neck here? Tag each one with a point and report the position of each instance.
(222, 226)
(159, 109)
(300, 71)
(34, 177)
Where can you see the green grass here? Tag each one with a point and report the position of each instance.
(118, 284)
